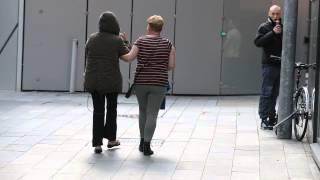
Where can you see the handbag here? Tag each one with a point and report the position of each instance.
(163, 103)
(129, 92)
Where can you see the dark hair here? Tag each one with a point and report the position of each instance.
(109, 23)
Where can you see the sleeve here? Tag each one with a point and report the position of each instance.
(263, 37)
(138, 42)
(123, 49)
(87, 46)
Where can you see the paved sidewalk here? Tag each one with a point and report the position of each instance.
(48, 136)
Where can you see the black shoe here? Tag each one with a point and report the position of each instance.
(273, 121)
(265, 125)
(112, 144)
(147, 149)
(141, 145)
(97, 149)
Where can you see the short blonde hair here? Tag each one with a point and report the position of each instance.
(156, 23)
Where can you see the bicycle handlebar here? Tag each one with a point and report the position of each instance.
(278, 58)
(300, 65)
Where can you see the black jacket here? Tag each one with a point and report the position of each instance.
(270, 42)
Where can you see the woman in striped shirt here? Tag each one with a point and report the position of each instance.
(156, 56)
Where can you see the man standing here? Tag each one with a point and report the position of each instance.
(269, 38)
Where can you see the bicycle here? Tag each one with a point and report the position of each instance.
(303, 104)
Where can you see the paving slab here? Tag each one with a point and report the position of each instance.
(47, 135)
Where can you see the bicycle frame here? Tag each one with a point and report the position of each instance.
(303, 88)
(302, 103)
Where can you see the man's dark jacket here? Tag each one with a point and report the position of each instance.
(270, 42)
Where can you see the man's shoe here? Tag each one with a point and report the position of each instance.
(265, 125)
(273, 121)
(112, 144)
(97, 149)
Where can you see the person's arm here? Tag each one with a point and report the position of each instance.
(86, 53)
(264, 37)
(131, 55)
(87, 46)
(172, 59)
(124, 38)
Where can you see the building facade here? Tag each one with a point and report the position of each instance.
(214, 41)
(9, 16)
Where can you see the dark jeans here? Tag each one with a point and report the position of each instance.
(104, 128)
(269, 91)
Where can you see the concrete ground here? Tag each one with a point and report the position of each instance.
(48, 136)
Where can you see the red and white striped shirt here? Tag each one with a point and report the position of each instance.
(153, 59)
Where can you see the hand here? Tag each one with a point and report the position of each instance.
(277, 29)
(123, 36)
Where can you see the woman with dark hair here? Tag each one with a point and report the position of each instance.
(103, 78)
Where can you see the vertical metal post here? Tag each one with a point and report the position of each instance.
(73, 65)
(174, 44)
(130, 40)
(284, 131)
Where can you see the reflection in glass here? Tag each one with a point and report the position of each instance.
(241, 60)
(232, 41)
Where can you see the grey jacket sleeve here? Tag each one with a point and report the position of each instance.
(263, 37)
(87, 46)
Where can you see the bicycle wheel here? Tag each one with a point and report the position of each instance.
(301, 105)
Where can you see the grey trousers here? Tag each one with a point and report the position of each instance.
(149, 99)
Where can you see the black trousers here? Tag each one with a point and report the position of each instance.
(269, 91)
(104, 128)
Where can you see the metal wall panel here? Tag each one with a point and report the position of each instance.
(203, 62)
(8, 58)
(302, 31)
(50, 27)
(241, 59)
(198, 46)
(313, 51)
(302, 49)
(122, 9)
(142, 9)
